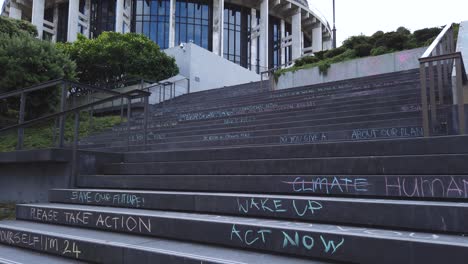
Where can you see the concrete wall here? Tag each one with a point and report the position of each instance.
(207, 70)
(399, 61)
(27, 176)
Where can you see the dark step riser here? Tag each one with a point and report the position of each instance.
(174, 125)
(431, 217)
(72, 248)
(236, 102)
(382, 129)
(423, 187)
(404, 129)
(388, 84)
(339, 123)
(252, 120)
(332, 243)
(449, 145)
(413, 165)
(250, 109)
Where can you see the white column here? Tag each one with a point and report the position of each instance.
(15, 11)
(218, 27)
(73, 10)
(254, 41)
(119, 16)
(87, 13)
(283, 35)
(172, 26)
(38, 16)
(296, 36)
(264, 22)
(317, 42)
(56, 13)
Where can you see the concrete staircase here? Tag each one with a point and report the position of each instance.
(333, 173)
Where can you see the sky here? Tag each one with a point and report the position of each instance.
(355, 17)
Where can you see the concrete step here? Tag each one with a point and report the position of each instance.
(13, 255)
(113, 248)
(418, 146)
(355, 91)
(410, 187)
(255, 120)
(174, 125)
(393, 165)
(330, 242)
(308, 136)
(398, 214)
(368, 83)
(289, 126)
(274, 106)
(367, 130)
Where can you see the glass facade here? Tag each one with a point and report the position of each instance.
(275, 43)
(151, 18)
(102, 17)
(194, 22)
(237, 25)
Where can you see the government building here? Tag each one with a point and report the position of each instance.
(255, 34)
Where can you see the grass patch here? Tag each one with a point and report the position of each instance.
(41, 135)
(7, 211)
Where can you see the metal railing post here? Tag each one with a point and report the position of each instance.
(121, 109)
(145, 122)
(433, 106)
(19, 145)
(460, 97)
(129, 116)
(425, 115)
(76, 136)
(62, 118)
(440, 76)
(188, 86)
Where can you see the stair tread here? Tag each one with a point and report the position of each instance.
(14, 255)
(171, 247)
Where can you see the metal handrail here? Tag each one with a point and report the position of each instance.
(441, 58)
(436, 41)
(127, 95)
(31, 88)
(64, 83)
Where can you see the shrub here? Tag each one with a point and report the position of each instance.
(353, 41)
(334, 52)
(306, 60)
(26, 61)
(114, 57)
(423, 35)
(393, 41)
(363, 50)
(15, 27)
(379, 51)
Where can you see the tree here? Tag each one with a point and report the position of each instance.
(26, 61)
(422, 36)
(114, 57)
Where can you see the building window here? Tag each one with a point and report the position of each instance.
(237, 34)
(62, 23)
(194, 21)
(275, 49)
(151, 18)
(102, 17)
